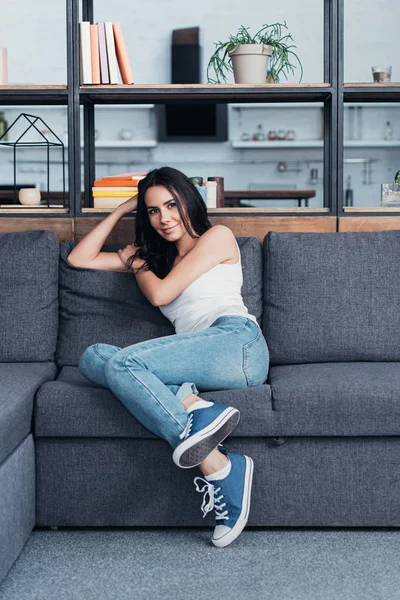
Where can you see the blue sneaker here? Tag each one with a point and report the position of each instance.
(209, 423)
(230, 497)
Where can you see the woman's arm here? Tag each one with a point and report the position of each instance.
(214, 246)
(87, 253)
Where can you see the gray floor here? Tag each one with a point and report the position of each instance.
(136, 564)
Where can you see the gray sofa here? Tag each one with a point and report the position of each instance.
(323, 430)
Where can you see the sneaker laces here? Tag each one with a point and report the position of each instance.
(186, 432)
(210, 499)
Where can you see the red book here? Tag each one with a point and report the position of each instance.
(94, 47)
(122, 55)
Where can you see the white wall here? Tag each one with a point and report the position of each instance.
(35, 37)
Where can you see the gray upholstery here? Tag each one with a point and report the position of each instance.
(305, 482)
(102, 306)
(19, 384)
(328, 399)
(28, 296)
(335, 399)
(109, 307)
(73, 407)
(17, 502)
(332, 297)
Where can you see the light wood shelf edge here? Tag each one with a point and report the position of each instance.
(201, 86)
(32, 87)
(33, 212)
(375, 209)
(239, 211)
(371, 84)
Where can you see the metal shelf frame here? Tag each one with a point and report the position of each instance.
(333, 93)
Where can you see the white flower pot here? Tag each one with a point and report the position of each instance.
(250, 63)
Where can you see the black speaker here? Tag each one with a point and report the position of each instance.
(188, 121)
(185, 56)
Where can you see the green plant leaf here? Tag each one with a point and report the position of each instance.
(273, 35)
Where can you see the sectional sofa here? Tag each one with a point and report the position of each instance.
(323, 430)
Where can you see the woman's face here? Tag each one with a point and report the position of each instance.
(163, 213)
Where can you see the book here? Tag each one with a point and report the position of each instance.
(115, 194)
(112, 57)
(111, 189)
(211, 196)
(118, 182)
(107, 202)
(3, 67)
(94, 50)
(85, 53)
(122, 55)
(104, 72)
(127, 176)
(202, 191)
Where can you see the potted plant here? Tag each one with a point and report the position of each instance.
(254, 59)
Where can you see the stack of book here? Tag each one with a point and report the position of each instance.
(208, 191)
(113, 190)
(102, 53)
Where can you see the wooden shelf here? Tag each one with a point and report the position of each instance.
(234, 211)
(137, 93)
(33, 94)
(32, 210)
(369, 209)
(371, 92)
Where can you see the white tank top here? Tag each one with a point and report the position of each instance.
(214, 294)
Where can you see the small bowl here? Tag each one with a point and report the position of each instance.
(29, 196)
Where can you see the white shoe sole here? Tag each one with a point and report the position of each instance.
(229, 537)
(196, 448)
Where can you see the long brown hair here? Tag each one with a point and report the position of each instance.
(159, 253)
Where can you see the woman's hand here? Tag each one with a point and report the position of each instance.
(129, 205)
(129, 251)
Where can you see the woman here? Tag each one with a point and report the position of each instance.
(192, 271)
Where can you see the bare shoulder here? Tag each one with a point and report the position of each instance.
(220, 241)
(221, 231)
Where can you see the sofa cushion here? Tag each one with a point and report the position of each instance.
(19, 383)
(108, 307)
(336, 399)
(332, 297)
(28, 296)
(73, 407)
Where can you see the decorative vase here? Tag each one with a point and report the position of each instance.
(29, 196)
(250, 63)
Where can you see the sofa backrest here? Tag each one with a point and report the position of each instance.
(108, 307)
(28, 296)
(332, 297)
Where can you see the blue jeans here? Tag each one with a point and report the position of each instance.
(152, 378)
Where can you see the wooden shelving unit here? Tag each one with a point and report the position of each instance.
(330, 96)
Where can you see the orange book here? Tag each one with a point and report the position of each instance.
(122, 55)
(94, 47)
(115, 182)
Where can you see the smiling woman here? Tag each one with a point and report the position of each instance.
(192, 271)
